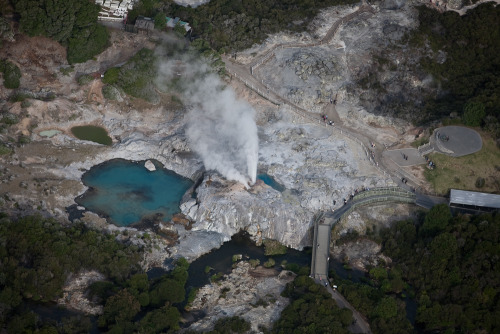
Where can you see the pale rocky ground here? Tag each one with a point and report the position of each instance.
(252, 294)
(363, 253)
(315, 164)
(191, 3)
(75, 290)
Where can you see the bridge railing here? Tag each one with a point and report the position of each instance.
(396, 191)
(316, 219)
(378, 199)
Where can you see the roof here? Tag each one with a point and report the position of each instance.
(144, 23)
(474, 198)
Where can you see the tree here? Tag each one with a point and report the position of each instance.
(436, 220)
(11, 74)
(51, 18)
(119, 308)
(179, 30)
(70, 22)
(160, 21)
(474, 113)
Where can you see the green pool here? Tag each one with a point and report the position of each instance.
(93, 133)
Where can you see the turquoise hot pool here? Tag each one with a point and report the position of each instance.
(270, 181)
(126, 192)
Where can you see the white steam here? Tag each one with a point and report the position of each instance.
(219, 127)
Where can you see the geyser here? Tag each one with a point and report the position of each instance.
(219, 127)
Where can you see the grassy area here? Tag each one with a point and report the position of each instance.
(273, 247)
(463, 172)
(420, 141)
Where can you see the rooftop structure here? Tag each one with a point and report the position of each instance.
(144, 24)
(114, 10)
(474, 200)
(172, 22)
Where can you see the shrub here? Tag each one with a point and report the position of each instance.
(273, 247)
(136, 77)
(11, 74)
(160, 21)
(224, 292)
(111, 75)
(191, 296)
(4, 149)
(237, 257)
(254, 263)
(67, 70)
(480, 181)
(85, 79)
(474, 113)
(22, 140)
(25, 104)
(9, 119)
(231, 325)
(269, 263)
(216, 277)
(292, 267)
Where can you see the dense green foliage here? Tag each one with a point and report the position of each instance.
(11, 74)
(37, 256)
(311, 310)
(230, 326)
(4, 149)
(377, 298)
(86, 42)
(153, 302)
(136, 76)
(452, 264)
(471, 71)
(273, 247)
(237, 24)
(71, 22)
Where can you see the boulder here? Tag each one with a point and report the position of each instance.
(150, 166)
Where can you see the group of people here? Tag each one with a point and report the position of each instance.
(443, 137)
(325, 119)
(405, 156)
(430, 163)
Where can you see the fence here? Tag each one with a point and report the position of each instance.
(392, 191)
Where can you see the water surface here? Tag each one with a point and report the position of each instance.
(221, 259)
(127, 193)
(49, 133)
(270, 181)
(92, 133)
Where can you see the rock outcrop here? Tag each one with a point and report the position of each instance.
(252, 294)
(149, 166)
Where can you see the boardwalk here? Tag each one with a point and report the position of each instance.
(324, 222)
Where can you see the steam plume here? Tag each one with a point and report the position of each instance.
(219, 127)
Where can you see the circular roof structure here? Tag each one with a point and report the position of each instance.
(457, 140)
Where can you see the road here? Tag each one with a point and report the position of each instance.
(360, 325)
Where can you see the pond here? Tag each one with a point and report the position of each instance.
(49, 133)
(127, 193)
(270, 181)
(93, 133)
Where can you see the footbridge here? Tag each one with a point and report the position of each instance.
(324, 221)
